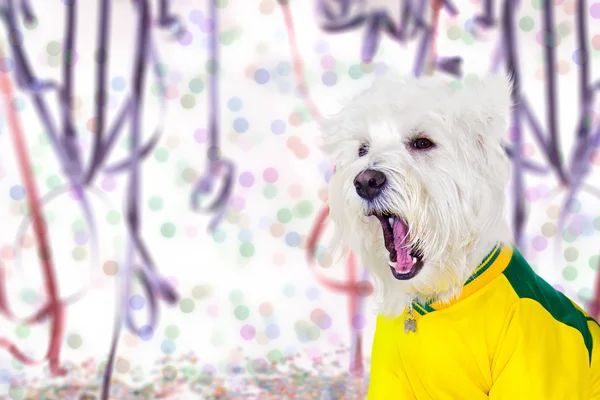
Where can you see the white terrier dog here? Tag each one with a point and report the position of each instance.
(419, 194)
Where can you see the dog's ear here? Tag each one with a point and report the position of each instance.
(484, 111)
(488, 102)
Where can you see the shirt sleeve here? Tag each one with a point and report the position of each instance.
(595, 386)
(388, 380)
(539, 358)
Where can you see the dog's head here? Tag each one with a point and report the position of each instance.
(419, 185)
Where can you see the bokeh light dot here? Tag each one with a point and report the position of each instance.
(283, 68)
(329, 78)
(247, 332)
(284, 215)
(136, 302)
(595, 10)
(236, 297)
(548, 229)
(355, 72)
(596, 42)
(261, 76)
(187, 305)
(289, 290)
(313, 293)
(247, 250)
(17, 192)
(168, 230)
(540, 243)
(241, 312)
(110, 268)
(168, 347)
(570, 273)
(146, 332)
(579, 57)
(245, 235)
(593, 262)
(526, 24)
(272, 331)
(240, 125)
(278, 127)
(454, 33)
(270, 191)
(571, 254)
(188, 101)
(270, 175)
(172, 332)
(196, 85)
(246, 179)
(74, 341)
(265, 309)
(234, 104)
(292, 239)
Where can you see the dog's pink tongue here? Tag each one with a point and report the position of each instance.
(403, 258)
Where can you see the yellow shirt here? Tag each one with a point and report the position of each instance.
(509, 336)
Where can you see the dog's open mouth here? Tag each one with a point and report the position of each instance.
(405, 262)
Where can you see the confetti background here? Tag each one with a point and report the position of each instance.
(252, 318)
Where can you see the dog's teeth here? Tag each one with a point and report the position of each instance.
(392, 264)
(414, 260)
(391, 220)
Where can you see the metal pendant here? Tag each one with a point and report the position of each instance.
(410, 323)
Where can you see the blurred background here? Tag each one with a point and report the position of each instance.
(251, 320)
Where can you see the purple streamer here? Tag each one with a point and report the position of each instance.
(512, 70)
(168, 20)
(70, 145)
(217, 166)
(527, 165)
(487, 19)
(450, 65)
(101, 90)
(152, 284)
(551, 114)
(411, 24)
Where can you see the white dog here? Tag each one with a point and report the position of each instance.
(419, 194)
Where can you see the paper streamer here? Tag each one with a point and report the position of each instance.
(155, 287)
(54, 309)
(68, 153)
(218, 167)
(412, 24)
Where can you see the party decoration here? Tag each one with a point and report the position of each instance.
(217, 165)
(54, 308)
(68, 152)
(412, 24)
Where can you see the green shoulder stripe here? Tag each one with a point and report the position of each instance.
(528, 285)
(593, 320)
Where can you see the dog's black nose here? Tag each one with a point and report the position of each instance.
(369, 184)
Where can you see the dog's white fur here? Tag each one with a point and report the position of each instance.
(451, 196)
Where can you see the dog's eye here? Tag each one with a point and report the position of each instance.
(363, 150)
(422, 144)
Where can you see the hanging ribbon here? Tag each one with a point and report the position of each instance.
(54, 309)
(154, 286)
(218, 167)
